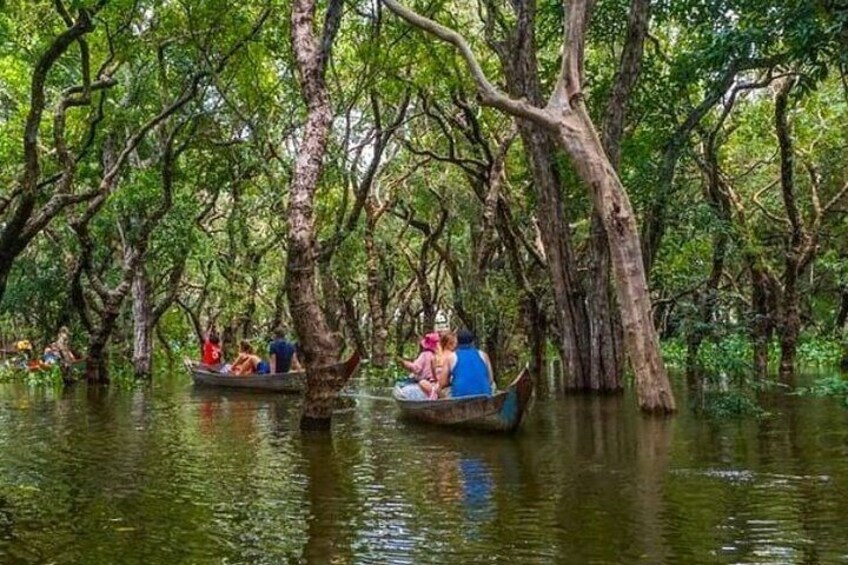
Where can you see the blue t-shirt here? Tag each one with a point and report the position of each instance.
(470, 376)
(284, 350)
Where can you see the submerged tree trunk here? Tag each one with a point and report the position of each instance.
(142, 313)
(606, 355)
(611, 201)
(96, 371)
(605, 339)
(320, 347)
(762, 324)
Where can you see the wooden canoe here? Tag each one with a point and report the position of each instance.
(293, 382)
(501, 412)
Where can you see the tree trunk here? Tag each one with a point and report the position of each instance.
(279, 316)
(352, 324)
(332, 303)
(762, 326)
(142, 358)
(569, 301)
(537, 329)
(605, 354)
(320, 347)
(789, 329)
(379, 327)
(610, 199)
(95, 369)
(565, 115)
(842, 314)
(799, 241)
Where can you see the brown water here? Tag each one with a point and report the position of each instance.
(175, 475)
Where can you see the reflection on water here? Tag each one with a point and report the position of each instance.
(176, 475)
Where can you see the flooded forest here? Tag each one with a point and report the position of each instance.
(227, 229)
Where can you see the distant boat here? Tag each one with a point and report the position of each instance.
(501, 412)
(293, 382)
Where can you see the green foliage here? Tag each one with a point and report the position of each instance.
(48, 377)
(728, 405)
(829, 386)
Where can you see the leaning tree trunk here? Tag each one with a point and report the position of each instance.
(606, 355)
(579, 138)
(142, 325)
(320, 346)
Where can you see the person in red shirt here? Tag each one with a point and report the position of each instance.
(212, 350)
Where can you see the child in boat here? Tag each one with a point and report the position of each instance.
(247, 361)
(212, 350)
(422, 377)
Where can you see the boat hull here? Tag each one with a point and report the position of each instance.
(293, 382)
(501, 412)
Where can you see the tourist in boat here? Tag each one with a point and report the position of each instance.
(51, 356)
(283, 353)
(24, 352)
(422, 383)
(470, 368)
(444, 359)
(212, 356)
(247, 361)
(62, 346)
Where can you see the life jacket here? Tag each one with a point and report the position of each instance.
(470, 376)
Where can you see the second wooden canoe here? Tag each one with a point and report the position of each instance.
(500, 412)
(293, 382)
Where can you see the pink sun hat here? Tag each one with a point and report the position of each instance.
(430, 342)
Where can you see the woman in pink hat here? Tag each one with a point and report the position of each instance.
(423, 370)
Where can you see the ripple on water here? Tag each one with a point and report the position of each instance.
(175, 475)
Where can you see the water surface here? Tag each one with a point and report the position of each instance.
(171, 474)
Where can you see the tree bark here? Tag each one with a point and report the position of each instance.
(606, 356)
(320, 347)
(374, 288)
(842, 314)
(142, 314)
(790, 318)
(611, 201)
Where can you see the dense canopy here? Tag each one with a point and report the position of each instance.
(573, 180)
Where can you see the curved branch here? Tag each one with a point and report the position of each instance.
(488, 93)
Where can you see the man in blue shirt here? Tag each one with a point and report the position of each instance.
(470, 368)
(283, 353)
